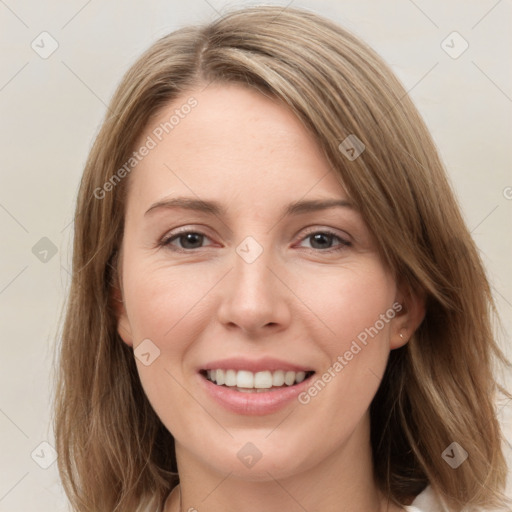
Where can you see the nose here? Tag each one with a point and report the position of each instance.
(254, 297)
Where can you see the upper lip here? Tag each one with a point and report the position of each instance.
(254, 365)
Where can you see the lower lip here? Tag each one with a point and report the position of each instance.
(253, 403)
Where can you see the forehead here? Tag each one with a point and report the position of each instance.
(233, 142)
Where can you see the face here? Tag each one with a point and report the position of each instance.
(244, 262)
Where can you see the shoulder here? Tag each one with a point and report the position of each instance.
(426, 501)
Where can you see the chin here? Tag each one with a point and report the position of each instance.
(258, 457)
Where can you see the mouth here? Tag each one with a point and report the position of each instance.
(245, 381)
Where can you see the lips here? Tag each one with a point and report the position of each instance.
(253, 387)
(254, 365)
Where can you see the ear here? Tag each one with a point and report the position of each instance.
(408, 318)
(117, 301)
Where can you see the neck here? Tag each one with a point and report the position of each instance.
(341, 482)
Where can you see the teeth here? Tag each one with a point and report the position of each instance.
(278, 378)
(300, 377)
(219, 377)
(263, 380)
(230, 378)
(289, 378)
(245, 381)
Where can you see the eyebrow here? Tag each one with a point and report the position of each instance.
(215, 208)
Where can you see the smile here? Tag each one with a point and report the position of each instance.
(246, 381)
(270, 387)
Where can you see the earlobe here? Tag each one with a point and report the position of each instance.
(408, 319)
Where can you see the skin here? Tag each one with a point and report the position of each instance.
(299, 301)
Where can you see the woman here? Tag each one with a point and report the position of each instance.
(275, 301)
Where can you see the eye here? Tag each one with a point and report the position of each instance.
(188, 240)
(323, 240)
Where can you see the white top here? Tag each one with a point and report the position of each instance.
(426, 501)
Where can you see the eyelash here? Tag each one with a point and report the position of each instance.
(166, 242)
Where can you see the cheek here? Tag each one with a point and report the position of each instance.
(163, 302)
(171, 307)
(349, 302)
(355, 307)
(167, 306)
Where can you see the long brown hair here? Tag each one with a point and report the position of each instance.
(114, 452)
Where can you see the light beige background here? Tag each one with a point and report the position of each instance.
(51, 110)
